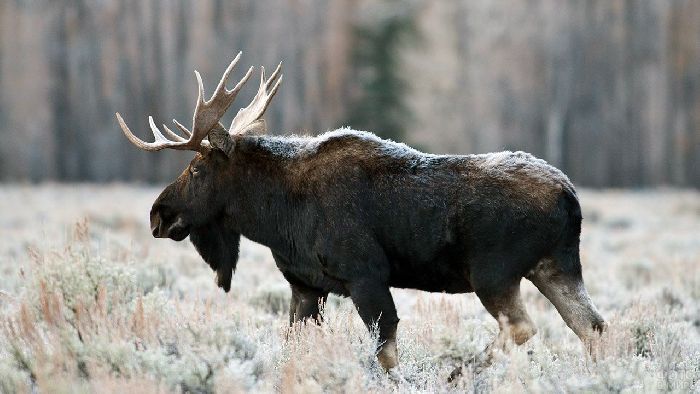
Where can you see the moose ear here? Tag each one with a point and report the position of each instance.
(218, 246)
(220, 139)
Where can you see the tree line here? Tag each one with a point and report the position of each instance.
(609, 91)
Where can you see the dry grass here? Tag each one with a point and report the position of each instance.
(91, 303)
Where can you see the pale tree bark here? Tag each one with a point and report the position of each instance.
(59, 74)
(607, 90)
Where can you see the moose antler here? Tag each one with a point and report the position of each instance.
(247, 117)
(207, 113)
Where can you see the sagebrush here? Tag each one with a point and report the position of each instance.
(91, 303)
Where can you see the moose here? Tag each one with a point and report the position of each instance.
(349, 213)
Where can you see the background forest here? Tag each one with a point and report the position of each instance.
(609, 91)
(606, 90)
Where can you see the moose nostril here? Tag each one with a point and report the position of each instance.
(155, 225)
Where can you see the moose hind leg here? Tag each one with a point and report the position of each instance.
(506, 306)
(566, 291)
(375, 305)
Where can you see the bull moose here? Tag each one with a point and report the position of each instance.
(349, 213)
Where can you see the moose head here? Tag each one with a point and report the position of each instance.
(193, 204)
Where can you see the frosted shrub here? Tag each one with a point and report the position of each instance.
(82, 316)
(274, 300)
(112, 310)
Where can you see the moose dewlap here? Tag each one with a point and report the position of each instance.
(352, 214)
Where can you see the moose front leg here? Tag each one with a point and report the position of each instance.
(376, 306)
(305, 304)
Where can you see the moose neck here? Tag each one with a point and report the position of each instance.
(261, 207)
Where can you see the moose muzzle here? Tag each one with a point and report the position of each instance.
(176, 230)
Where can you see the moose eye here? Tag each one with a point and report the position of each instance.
(194, 171)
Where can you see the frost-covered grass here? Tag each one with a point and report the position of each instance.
(90, 302)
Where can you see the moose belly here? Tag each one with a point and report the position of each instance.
(309, 275)
(446, 273)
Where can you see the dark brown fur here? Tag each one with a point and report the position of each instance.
(351, 214)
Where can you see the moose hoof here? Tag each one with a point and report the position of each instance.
(395, 375)
(455, 374)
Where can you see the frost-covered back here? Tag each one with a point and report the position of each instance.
(497, 164)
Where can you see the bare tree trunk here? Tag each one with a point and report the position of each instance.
(182, 44)
(158, 105)
(3, 120)
(608, 91)
(58, 66)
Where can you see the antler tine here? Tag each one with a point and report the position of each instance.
(255, 110)
(172, 134)
(243, 80)
(200, 89)
(182, 128)
(271, 92)
(274, 76)
(222, 83)
(160, 141)
(156, 132)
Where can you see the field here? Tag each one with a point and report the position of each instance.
(90, 302)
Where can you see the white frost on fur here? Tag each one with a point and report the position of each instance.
(297, 146)
(507, 162)
(499, 164)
